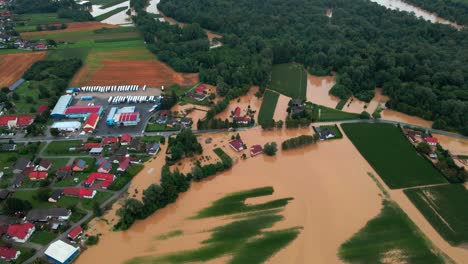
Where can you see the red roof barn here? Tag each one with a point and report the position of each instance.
(92, 145)
(91, 122)
(237, 111)
(431, 141)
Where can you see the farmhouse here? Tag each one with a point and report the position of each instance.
(91, 123)
(79, 192)
(75, 233)
(20, 232)
(38, 175)
(256, 150)
(60, 252)
(60, 107)
(77, 111)
(45, 215)
(67, 126)
(237, 112)
(80, 165)
(9, 254)
(431, 141)
(110, 140)
(237, 144)
(16, 121)
(106, 178)
(44, 165)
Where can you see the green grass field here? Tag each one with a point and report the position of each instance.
(326, 114)
(289, 79)
(74, 53)
(267, 110)
(42, 237)
(341, 104)
(26, 253)
(99, 198)
(58, 162)
(245, 240)
(29, 99)
(391, 155)
(390, 237)
(59, 148)
(446, 208)
(40, 19)
(31, 196)
(107, 3)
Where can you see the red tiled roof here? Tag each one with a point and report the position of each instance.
(125, 117)
(79, 192)
(124, 163)
(91, 121)
(126, 138)
(76, 109)
(431, 140)
(110, 140)
(38, 175)
(19, 230)
(237, 144)
(65, 168)
(91, 145)
(40, 46)
(256, 149)
(200, 88)
(237, 111)
(75, 232)
(106, 177)
(41, 109)
(20, 120)
(8, 253)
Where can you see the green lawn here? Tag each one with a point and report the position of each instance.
(391, 155)
(65, 201)
(58, 162)
(341, 104)
(69, 182)
(267, 110)
(72, 53)
(151, 139)
(446, 208)
(100, 198)
(326, 114)
(126, 177)
(29, 100)
(26, 253)
(390, 234)
(61, 148)
(289, 79)
(40, 19)
(42, 237)
(157, 127)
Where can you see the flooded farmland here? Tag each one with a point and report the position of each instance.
(393, 115)
(456, 146)
(324, 194)
(318, 88)
(243, 103)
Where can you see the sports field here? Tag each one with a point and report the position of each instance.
(446, 208)
(267, 110)
(391, 155)
(13, 66)
(289, 79)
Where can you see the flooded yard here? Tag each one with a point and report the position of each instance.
(243, 103)
(318, 88)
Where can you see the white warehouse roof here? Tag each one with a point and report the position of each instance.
(61, 105)
(126, 109)
(67, 125)
(60, 251)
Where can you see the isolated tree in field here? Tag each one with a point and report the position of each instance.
(423, 147)
(270, 148)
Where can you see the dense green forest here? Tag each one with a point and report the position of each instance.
(421, 66)
(453, 10)
(64, 8)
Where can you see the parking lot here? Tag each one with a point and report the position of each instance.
(102, 99)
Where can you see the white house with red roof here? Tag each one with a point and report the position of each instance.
(106, 179)
(20, 232)
(110, 140)
(44, 165)
(38, 175)
(237, 144)
(125, 139)
(431, 141)
(9, 254)
(16, 121)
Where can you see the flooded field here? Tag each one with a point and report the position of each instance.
(324, 194)
(243, 102)
(389, 114)
(403, 6)
(196, 112)
(318, 88)
(354, 105)
(456, 146)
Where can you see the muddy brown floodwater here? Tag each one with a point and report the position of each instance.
(243, 102)
(456, 146)
(318, 88)
(333, 199)
(389, 114)
(281, 108)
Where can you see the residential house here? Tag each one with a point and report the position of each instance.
(8, 147)
(9, 254)
(80, 165)
(18, 180)
(105, 178)
(135, 144)
(20, 233)
(75, 233)
(48, 214)
(88, 146)
(124, 163)
(104, 165)
(242, 120)
(44, 165)
(125, 139)
(91, 123)
(431, 141)
(79, 192)
(21, 165)
(237, 144)
(38, 175)
(110, 140)
(96, 151)
(153, 148)
(55, 196)
(63, 174)
(256, 150)
(186, 121)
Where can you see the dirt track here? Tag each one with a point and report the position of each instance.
(13, 66)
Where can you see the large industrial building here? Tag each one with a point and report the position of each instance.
(61, 105)
(60, 252)
(125, 116)
(67, 126)
(77, 111)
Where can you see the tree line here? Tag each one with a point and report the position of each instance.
(452, 10)
(296, 142)
(421, 66)
(64, 8)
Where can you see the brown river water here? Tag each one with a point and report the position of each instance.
(331, 202)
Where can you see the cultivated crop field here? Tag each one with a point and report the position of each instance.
(390, 237)
(13, 66)
(289, 79)
(391, 155)
(267, 110)
(446, 208)
(326, 114)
